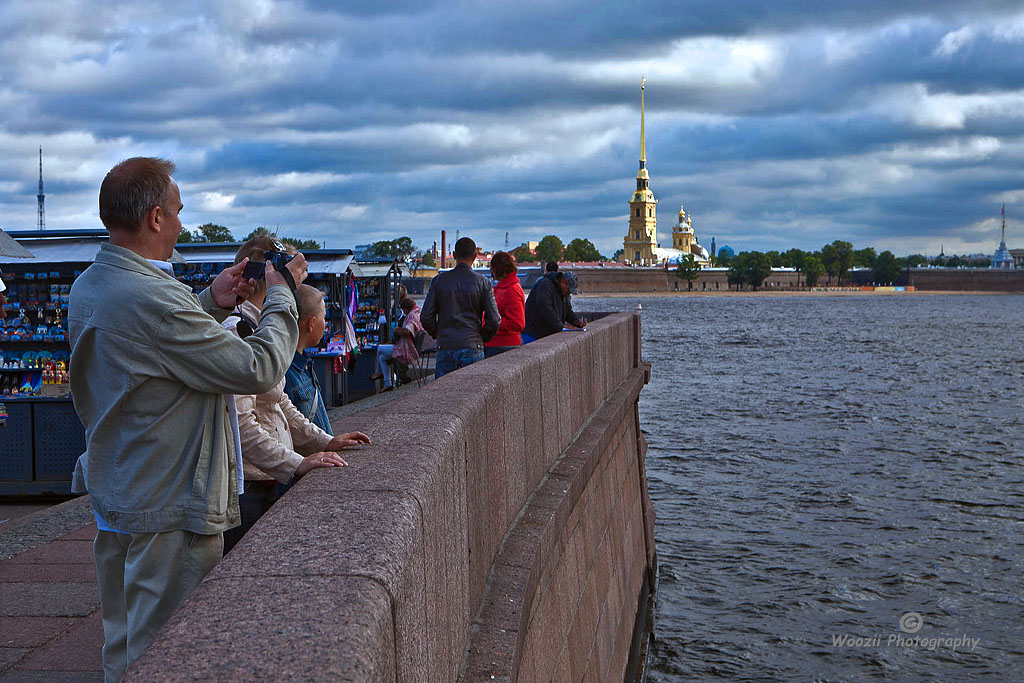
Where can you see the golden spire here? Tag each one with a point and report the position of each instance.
(643, 142)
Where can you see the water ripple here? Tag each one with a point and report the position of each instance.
(822, 466)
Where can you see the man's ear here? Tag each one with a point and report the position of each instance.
(154, 219)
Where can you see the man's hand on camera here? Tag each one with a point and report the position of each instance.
(346, 440)
(297, 266)
(229, 288)
(325, 459)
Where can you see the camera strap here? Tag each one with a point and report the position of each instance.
(295, 290)
(245, 326)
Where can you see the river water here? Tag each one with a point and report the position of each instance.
(825, 469)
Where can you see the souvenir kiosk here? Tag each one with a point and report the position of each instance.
(372, 297)
(41, 436)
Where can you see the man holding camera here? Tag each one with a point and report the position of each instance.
(150, 365)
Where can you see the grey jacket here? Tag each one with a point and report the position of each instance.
(150, 365)
(455, 303)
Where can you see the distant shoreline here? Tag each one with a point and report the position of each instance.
(778, 293)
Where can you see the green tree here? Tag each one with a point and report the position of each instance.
(259, 230)
(887, 268)
(758, 267)
(844, 254)
(914, 260)
(581, 249)
(865, 258)
(550, 248)
(186, 236)
(830, 259)
(618, 254)
(737, 274)
(795, 258)
(428, 259)
(393, 250)
(813, 269)
(523, 254)
(302, 245)
(775, 258)
(688, 269)
(723, 259)
(211, 232)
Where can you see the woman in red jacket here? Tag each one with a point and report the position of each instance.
(511, 300)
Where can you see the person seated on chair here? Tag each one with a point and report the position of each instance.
(404, 349)
(274, 434)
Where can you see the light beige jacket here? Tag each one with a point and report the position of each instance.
(150, 364)
(275, 435)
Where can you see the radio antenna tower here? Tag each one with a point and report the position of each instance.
(41, 197)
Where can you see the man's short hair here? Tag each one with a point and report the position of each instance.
(131, 189)
(309, 299)
(551, 267)
(465, 249)
(503, 264)
(407, 304)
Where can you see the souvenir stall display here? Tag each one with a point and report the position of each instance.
(41, 436)
(371, 295)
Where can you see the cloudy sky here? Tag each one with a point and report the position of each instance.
(891, 124)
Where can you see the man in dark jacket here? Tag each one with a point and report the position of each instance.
(452, 312)
(548, 308)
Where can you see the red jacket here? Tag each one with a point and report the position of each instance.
(511, 300)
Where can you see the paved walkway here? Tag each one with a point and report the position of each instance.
(50, 627)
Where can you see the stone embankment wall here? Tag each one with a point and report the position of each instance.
(965, 279)
(498, 527)
(612, 280)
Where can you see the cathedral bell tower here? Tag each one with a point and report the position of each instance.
(642, 238)
(682, 233)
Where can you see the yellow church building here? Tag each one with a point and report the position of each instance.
(640, 246)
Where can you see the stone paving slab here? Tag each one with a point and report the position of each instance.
(48, 599)
(78, 649)
(52, 677)
(32, 631)
(57, 552)
(22, 572)
(44, 526)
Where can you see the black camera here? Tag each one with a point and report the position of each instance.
(278, 257)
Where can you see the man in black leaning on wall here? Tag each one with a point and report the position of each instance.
(452, 312)
(548, 308)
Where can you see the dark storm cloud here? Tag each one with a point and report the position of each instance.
(891, 123)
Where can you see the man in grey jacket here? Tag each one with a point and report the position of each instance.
(150, 364)
(459, 312)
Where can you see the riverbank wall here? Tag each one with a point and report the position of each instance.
(498, 527)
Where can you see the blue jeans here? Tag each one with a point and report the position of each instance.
(450, 360)
(491, 351)
(384, 352)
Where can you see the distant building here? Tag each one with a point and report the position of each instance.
(729, 252)
(640, 246)
(1003, 259)
(1018, 257)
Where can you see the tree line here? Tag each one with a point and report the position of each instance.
(834, 260)
(211, 232)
